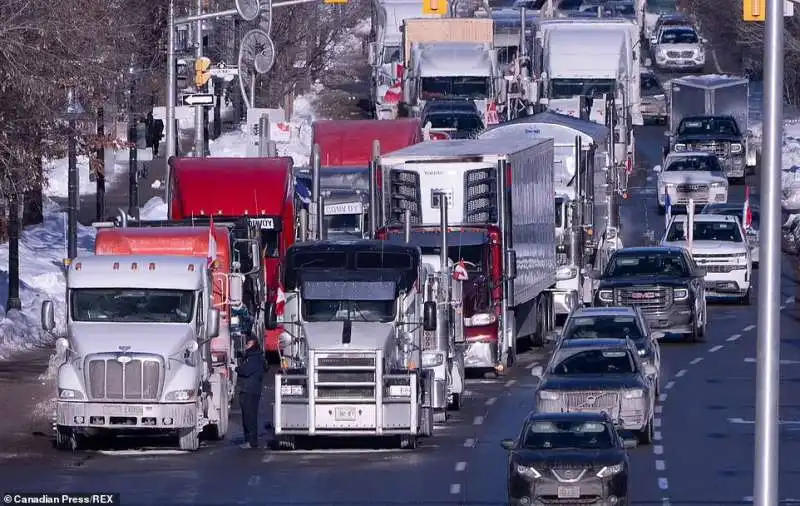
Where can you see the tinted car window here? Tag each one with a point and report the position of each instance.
(461, 122)
(594, 362)
(689, 163)
(650, 85)
(706, 231)
(559, 435)
(708, 126)
(647, 264)
(602, 327)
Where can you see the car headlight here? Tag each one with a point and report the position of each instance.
(658, 97)
(680, 294)
(528, 472)
(399, 390)
(181, 395)
(292, 390)
(609, 471)
(718, 185)
(636, 393)
(547, 395)
(736, 148)
(606, 295)
(432, 358)
(69, 394)
(480, 319)
(680, 147)
(642, 352)
(566, 272)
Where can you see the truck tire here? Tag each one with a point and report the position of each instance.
(645, 436)
(455, 405)
(408, 442)
(189, 439)
(66, 439)
(744, 300)
(217, 431)
(698, 332)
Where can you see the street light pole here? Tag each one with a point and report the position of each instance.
(769, 328)
(199, 127)
(172, 92)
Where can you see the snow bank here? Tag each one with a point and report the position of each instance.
(56, 173)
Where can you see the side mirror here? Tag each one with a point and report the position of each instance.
(537, 371)
(236, 289)
(657, 168)
(649, 369)
(657, 335)
(48, 316)
(629, 443)
(700, 272)
(212, 323)
(372, 53)
(667, 134)
(511, 264)
(552, 335)
(271, 316)
(429, 316)
(508, 444)
(62, 345)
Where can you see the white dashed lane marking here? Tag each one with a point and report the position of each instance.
(749, 328)
(460, 466)
(657, 435)
(491, 400)
(658, 449)
(669, 385)
(657, 423)
(663, 484)
(680, 373)
(455, 488)
(661, 465)
(478, 420)
(510, 382)
(662, 397)
(696, 361)
(715, 348)
(469, 442)
(733, 338)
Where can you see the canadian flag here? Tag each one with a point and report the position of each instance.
(212, 243)
(393, 95)
(491, 114)
(280, 302)
(747, 213)
(460, 272)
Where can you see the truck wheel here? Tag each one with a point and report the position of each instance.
(697, 334)
(426, 422)
(645, 436)
(744, 300)
(408, 442)
(66, 439)
(189, 439)
(455, 405)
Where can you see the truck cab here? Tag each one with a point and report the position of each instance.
(137, 354)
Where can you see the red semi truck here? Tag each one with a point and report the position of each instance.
(255, 198)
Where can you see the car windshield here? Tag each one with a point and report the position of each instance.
(460, 86)
(599, 361)
(341, 310)
(562, 435)
(692, 163)
(602, 327)
(647, 264)
(472, 255)
(724, 231)
(457, 121)
(131, 305)
(595, 88)
(679, 36)
(708, 126)
(392, 54)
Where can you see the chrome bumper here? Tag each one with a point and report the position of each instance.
(98, 415)
(481, 355)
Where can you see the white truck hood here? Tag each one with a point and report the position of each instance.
(163, 339)
(690, 177)
(711, 246)
(364, 336)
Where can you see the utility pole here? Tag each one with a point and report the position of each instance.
(199, 127)
(13, 301)
(73, 113)
(769, 328)
(133, 161)
(172, 94)
(100, 167)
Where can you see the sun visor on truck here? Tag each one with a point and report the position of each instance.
(353, 290)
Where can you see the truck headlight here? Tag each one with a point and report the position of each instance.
(642, 352)
(69, 394)
(609, 471)
(736, 148)
(399, 390)
(528, 472)
(292, 390)
(566, 272)
(480, 319)
(547, 395)
(680, 294)
(680, 147)
(181, 395)
(432, 358)
(606, 295)
(718, 185)
(636, 393)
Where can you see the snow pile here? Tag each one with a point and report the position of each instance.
(790, 170)
(56, 173)
(154, 209)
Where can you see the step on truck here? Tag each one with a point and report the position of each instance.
(355, 313)
(255, 198)
(137, 353)
(505, 187)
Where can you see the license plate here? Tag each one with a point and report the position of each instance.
(345, 414)
(133, 410)
(569, 492)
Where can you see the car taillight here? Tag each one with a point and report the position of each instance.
(439, 136)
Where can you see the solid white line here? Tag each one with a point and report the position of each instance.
(681, 373)
(657, 423)
(733, 338)
(460, 466)
(696, 360)
(669, 385)
(455, 488)
(749, 328)
(663, 484)
(469, 442)
(715, 348)
(660, 465)
(254, 481)
(478, 420)
(657, 435)
(662, 397)
(659, 409)
(510, 382)
(658, 449)
(491, 400)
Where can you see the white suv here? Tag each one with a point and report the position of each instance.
(679, 48)
(691, 175)
(719, 246)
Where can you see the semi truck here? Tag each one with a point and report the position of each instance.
(137, 354)
(256, 198)
(355, 314)
(505, 187)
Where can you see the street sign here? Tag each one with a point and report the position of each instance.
(225, 72)
(199, 99)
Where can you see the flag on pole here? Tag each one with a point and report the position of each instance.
(212, 243)
(280, 303)
(747, 212)
(460, 272)
(690, 223)
(668, 209)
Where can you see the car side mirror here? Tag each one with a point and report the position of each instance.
(271, 316)
(537, 371)
(629, 443)
(236, 289)
(657, 168)
(511, 264)
(657, 335)
(508, 444)
(649, 369)
(212, 323)
(429, 316)
(48, 316)
(552, 335)
(700, 272)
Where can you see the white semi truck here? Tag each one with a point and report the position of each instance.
(137, 351)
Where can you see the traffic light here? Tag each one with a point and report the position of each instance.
(754, 10)
(434, 7)
(202, 73)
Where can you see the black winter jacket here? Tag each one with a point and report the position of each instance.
(250, 373)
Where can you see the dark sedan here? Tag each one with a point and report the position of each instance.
(563, 457)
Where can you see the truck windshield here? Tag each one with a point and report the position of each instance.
(594, 88)
(477, 87)
(558, 435)
(725, 231)
(662, 6)
(471, 255)
(391, 54)
(456, 121)
(647, 264)
(132, 305)
(679, 36)
(598, 361)
(341, 310)
(690, 163)
(344, 223)
(708, 126)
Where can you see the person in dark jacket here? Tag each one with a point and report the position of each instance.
(157, 133)
(249, 383)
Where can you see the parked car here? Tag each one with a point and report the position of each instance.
(654, 100)
(459, 119)
(752, 232)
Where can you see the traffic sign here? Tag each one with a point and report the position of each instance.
(199, 99)
(224, 71)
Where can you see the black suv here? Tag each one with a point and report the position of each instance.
(664, 282)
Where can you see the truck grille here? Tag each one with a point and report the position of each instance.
(140, 379)
(718, 148)
(339, 377)
(649, 298)
(680, 54)
(717, 263)
(480, 196)
(404, 193)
